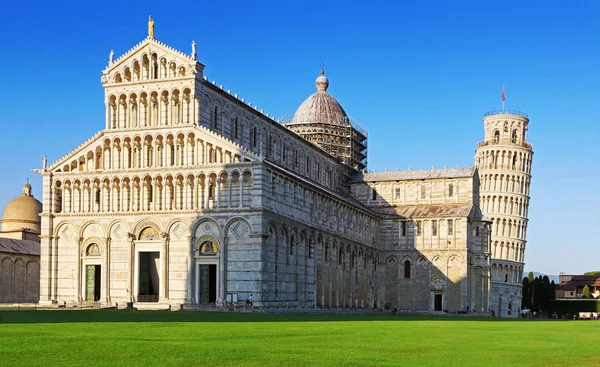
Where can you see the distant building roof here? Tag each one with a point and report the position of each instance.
(415, 175)
(580, 281)
(23, 247)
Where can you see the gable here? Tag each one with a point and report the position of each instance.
(150, 60)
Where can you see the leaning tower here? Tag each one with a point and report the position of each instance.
(503, 158)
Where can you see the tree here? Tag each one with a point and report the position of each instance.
(586, 292)
(531, 277)
(546, 293)
(526, 297)
(538, 294)
(595, 272)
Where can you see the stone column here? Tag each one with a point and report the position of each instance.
(131, 265)
(107, 271)
(164, 291)
(191, 266)
(223, 269)
(79, 269)
(241, 181)
(55, 269)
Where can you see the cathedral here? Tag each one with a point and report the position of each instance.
(191, 196)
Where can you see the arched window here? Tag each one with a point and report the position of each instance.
(450, 190)
(407, 269)
(211, 192)
(423, 192)
(434, 227)
(450, 226)
(216, 118)
(418, 228)
(496, 136)
(513, 137)
(373, 194)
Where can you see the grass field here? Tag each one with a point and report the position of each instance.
(121, 338)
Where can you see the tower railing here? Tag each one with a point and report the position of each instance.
(483, 143)
(506, 112)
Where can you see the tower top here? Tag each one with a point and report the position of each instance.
(506, 112)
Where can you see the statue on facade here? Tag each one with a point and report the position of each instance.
(111, 56)
(193, 50)
(44, 162)
(150, 27)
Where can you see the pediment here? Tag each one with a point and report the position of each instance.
(150, 60)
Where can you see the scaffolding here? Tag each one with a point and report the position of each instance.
(346, 140)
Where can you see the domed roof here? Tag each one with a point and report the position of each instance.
(24, 209)
(321, 107)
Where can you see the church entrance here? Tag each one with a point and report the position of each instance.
(92, 288)
(207, 286)
(437, 302)
(148, 276)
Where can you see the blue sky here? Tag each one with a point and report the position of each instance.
(418, 75)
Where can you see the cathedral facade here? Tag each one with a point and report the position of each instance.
(190, 195)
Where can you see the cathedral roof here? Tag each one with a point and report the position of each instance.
(23, 209)
(321, 107)
(415, 175)
(23, 247)
(431, 211)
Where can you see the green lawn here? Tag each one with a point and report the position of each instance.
(121, 338)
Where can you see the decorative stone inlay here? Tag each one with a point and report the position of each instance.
(240, 229)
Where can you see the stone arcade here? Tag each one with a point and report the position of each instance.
(190, 195)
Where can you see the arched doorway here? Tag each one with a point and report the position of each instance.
(149, 264)
(92, 284)
(207, 255)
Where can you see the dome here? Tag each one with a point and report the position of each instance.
(321, 107)
(22, 212)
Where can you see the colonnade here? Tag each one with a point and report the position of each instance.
(229, 189)
(504, 205)
(513, 251)
(507, 183)
(505, 159)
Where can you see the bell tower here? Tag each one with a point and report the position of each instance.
(503, 159)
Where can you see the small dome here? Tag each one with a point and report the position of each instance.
(321, 107)
(22, 212)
